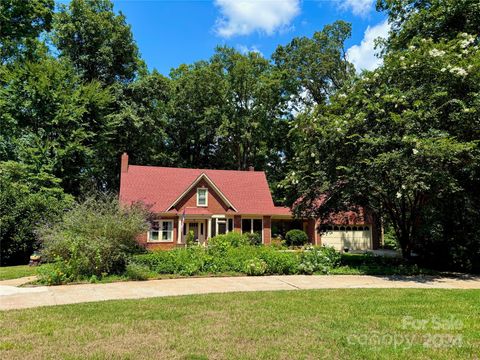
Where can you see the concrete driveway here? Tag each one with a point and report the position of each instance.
(13, 297)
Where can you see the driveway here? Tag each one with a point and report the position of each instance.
(13, 297)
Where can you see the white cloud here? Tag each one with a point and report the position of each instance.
(245, 49)
(357, 7)
(243, 17)
(363, 55)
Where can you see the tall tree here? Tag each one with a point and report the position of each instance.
(402, 140)
(21, 23)
(50, 118)
(97, 41)
(138, 125)
(255, 104)
(314, 68)
(199, 97)
(433, 19)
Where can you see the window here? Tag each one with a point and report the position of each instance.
(202, 197)
(222, 226)
(230, 225)
(154, 231)
(252, 226)
(161, 230)
(257, 225)
(246, 225)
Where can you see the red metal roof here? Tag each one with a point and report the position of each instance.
(159, 187)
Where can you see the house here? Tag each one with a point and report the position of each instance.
(211, 202)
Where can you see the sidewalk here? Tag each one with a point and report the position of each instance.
(12, 297)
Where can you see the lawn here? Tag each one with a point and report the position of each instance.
(334, 324)
(14, 272)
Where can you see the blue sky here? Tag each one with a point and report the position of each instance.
(172, 32)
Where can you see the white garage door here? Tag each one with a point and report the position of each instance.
(357, 237)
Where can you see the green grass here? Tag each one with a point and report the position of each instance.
(15, 272)
(262, 325)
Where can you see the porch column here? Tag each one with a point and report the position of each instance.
(179, 231)
(209, 228)
(267, 230)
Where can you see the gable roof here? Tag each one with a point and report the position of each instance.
(160, 187)
(203, 176)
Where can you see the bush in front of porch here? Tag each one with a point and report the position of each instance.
(230, 254)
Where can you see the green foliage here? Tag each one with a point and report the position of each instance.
(135, 271)
(389, 239)
(27, 198)
(96, 237)
(96, 40)
(253, 238)
(51, 120)
(255, 267)
(401, 141)
(190, 238)
(316, 66)
(436, 19)
(279, 262)
(55, 273)
(225, 241)
(247, 259)
(296, 237)
(21, 22)
(318, 259)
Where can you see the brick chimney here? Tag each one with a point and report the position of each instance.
(124, 162)
(251, 168)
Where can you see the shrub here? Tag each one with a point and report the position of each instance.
(96, 237)
(255, 267)
(277, 242)
(279, 262)
(296, 238)
(253, 238)
(190, 238)
(232, 239)
(160, 262)
(55, 273)
(26, 199)
(136, 271)
(318, 259)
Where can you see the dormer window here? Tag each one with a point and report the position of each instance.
(202, 197)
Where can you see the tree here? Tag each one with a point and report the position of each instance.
(28, 197)
(255, 105)
(314, 68)
(97, 41)
(431, 19)
(137, 124)
(21, 23)
(50, 118)
(398, 140)
(198, 109)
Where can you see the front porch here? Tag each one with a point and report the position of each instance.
(168, 231)
(205, 227)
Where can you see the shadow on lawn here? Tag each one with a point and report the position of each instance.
(394, 269)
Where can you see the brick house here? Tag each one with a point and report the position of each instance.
(211, 202)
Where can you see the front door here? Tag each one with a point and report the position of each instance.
(198, 228)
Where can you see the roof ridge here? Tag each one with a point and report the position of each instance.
(199, 169)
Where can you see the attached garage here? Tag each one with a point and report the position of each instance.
(353, 237)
